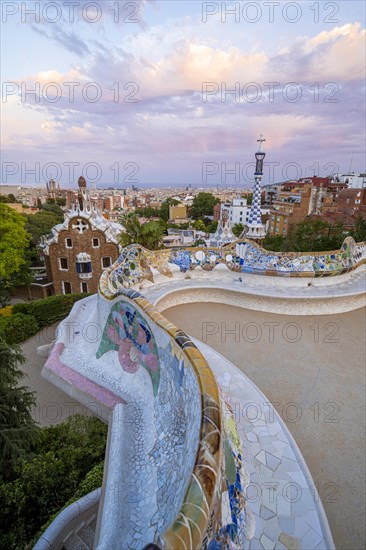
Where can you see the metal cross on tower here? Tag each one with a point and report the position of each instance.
(260, 140)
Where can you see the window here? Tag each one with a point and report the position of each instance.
(106, 262)
(68, 242)
(83, 267)
(66, 287)
(64, 264)
(96, 242)
(84, 287)
(83, 264)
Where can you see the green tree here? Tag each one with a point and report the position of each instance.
(203, 205)
(359, 232)
(18, 430)
(40, 224)
(55, 209)
(149, 235)
(274, 243)
(310, 235)
(4, 296)
(316, 235)
(238, 229)
(199, 226)
(61, 201)
(66, 462)
(200, 242)
(211, 228)
(8, 198)
(148, 212)
(13, 243)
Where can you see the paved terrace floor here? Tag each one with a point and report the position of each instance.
(281, 494)
(322, 288)
(53, 405)
(313, 371)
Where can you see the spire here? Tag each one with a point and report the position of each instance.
(255, 229)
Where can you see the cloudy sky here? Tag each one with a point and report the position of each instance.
(139, 92)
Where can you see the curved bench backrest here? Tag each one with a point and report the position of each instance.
(136, 264)
(187, 407)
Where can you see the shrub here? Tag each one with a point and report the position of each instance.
(67, 463)
(49, 310)
(6, 311)
(18, 327)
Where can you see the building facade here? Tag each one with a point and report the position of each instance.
(236, 212)
(81, 248)
(178, 214)
(296, 200)
(353, 181)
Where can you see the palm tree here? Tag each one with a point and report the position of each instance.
(149, 235)
(133, 228)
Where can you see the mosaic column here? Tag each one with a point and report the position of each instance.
(255, 228)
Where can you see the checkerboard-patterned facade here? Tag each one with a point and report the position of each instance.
(255, 214)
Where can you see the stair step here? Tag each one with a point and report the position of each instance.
(74, 542)
(86, 533)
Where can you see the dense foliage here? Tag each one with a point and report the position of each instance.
(162, 212)
(40, 224)
(49, 310)
(203, 205)
(308, 236)
(28, 318)
(8, 198)
(13, 243)
(17, 428)
(359, 232)
(238, 229)
(149, 235)
(41, 470)
(66, 462)
(18, 327)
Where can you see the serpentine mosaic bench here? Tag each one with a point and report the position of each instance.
(173, 474)
(136, 264)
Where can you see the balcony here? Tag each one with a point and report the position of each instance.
(85, 275)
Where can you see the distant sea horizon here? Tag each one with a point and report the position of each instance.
(137, 186)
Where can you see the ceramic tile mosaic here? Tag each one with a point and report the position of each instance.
(137, 264)
(174, 471)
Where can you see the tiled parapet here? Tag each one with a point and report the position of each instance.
(213, 506)
(137, 264)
